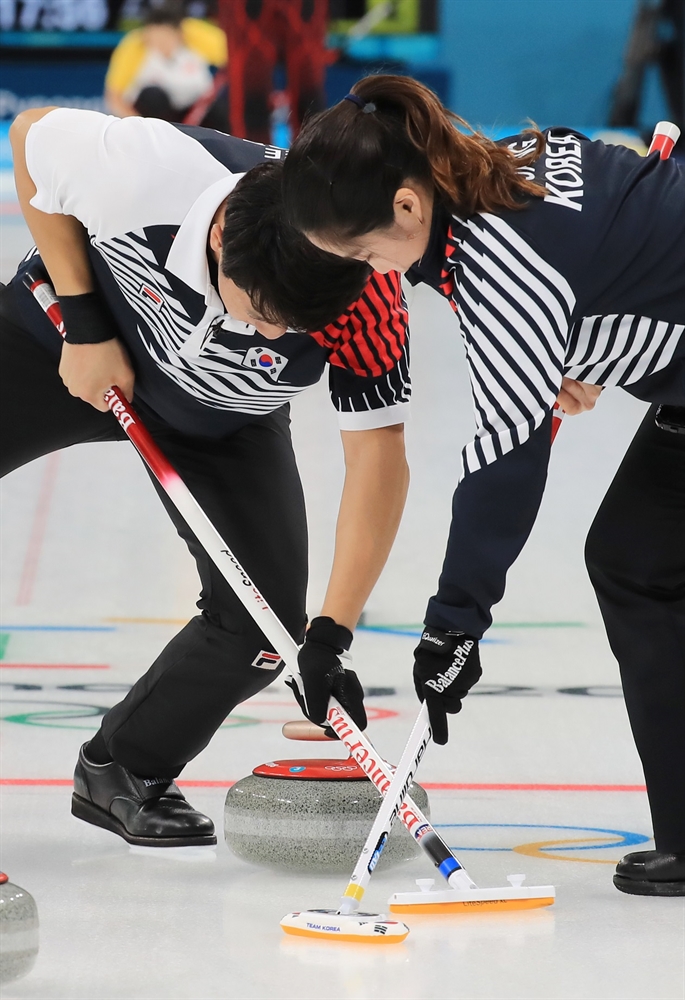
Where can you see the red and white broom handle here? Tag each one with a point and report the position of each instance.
(359, 747)
(665, 136)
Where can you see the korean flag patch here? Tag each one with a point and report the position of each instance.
(263, 360)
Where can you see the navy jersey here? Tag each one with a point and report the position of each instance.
(146, 192)
(588, 282)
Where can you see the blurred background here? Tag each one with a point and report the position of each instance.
(256, 67)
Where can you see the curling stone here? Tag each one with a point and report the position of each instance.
(18, 931)
(310, 814)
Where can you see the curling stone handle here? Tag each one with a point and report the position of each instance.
(306, 731)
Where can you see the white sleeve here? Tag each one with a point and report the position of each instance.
(116, 175)
(369, 420)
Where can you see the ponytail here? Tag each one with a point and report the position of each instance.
(345, 167)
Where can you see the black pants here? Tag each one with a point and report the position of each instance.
(249, 487)
(636, 558)
(154, 102)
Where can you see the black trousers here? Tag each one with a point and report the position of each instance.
(249, 487)
(636, 558)
(154, 102)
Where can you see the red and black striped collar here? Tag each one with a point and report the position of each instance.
(430, 268)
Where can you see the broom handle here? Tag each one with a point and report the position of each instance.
(361, 749)
(388, 811)
(665, 136)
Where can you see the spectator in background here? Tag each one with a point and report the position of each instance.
(262, 33)
(164, 70)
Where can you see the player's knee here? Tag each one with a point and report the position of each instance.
(612, 557)
(603, 555)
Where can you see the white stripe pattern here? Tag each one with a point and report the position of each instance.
(514, 311)
(214, 374)
(217, 377)
(620, 350)
(516, 318)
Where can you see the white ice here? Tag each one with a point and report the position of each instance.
(122, 924)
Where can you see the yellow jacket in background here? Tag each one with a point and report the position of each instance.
(206, 40)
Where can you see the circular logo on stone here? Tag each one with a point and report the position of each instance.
(296, 770)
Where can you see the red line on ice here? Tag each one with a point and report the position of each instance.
(431, 785)
(40, 519)
(508, 787)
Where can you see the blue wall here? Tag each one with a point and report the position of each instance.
(554, 61)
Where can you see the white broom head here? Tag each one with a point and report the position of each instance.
(329, 925)
(515, 896)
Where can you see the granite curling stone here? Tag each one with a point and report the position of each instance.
(18, 931)
(311, 815)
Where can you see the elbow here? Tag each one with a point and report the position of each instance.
(17, 131)
(22, 123)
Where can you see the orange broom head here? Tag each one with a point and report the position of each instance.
(472, 906)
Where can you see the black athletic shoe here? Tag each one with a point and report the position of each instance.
(651, 873)
(149, 812)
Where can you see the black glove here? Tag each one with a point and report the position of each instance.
(446, 666)
(323, 674)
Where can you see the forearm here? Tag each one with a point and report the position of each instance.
(493, 513)
(61, 239)
(374, 494)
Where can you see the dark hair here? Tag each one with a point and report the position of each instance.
(288, 280)
(347, 163)
(171, 12)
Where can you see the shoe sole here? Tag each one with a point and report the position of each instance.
(638, 887)
(92, 814)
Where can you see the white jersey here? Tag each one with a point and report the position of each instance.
(146, 191)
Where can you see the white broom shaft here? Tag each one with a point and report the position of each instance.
(234, 574)
(381, 773)
(389, 809)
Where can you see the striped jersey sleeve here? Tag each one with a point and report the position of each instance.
(369, 357)
(515, 312)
